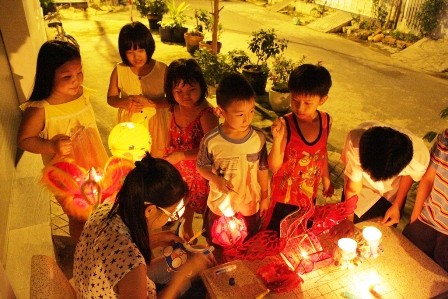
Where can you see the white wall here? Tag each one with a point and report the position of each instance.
(22, 27)
(22, 33)
(6, 291)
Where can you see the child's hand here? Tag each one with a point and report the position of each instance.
(224, 185)
(345, 228)
(62, 145)
(175, 157)
(278, 128)
(134, 104)
(164, 238)
(328, 191)
(264, 206)
(392, 216)
(195, 264)
(145, 101)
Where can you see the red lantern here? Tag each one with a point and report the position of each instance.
(79, 191)
(229, 231)
(278, 277)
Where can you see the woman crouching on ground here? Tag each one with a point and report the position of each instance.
(113, 255)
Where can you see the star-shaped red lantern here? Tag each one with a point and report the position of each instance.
(229, 231)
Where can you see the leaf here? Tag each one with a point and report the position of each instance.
(430, 136)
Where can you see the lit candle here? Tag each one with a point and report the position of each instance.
(348, 248)
(373, 237)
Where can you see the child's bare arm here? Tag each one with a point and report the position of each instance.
(209, 121)
(130, 103)
(33, 121)
(221, 183)
(424, 188)
(351, 188)
(328, 188)
(263, 180)
(157, 103)
(392, 215)
(275, 158)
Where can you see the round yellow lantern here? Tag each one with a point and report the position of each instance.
(129, 140)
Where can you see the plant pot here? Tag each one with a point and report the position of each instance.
(178, 34)
(172, 35)
(208, 45)
(280, 101)
(154, 22)
(166, 34)
(257, 77)
(192, 42)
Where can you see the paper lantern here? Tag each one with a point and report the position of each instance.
(175, 256)
(129, 140)
(79, 191)
(229, 231)
(278, 277)
(87, 148)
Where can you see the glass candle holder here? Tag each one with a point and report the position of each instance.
(348, 248)
(372, 235)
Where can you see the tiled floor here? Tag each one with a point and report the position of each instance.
(29, 232)
(31, 228)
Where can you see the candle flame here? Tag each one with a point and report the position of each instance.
(304, 254)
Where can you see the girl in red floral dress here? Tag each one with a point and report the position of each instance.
(192, 117)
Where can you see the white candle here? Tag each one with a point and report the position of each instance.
(348, 248)
(373, 237)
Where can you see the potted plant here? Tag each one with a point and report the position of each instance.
(172, 27)
(279, 96)
(193, 37)
(207, 44)
(153, 10)
(264, 44)
(214, 67)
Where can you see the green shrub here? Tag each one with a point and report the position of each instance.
(428, 16)
(47, 6)
(214, 67)
(379, 10)
(432, 134)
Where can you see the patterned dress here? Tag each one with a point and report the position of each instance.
(105, 253)
(185, 139)
(297, 181)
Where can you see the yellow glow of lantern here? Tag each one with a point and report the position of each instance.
(373, 237)
(232, 224)
(90, 189)
(129, 140)
(348, 248)
(226, 207)
(94, 175)
(304, 254)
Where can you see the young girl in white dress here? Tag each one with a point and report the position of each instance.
(136, 85)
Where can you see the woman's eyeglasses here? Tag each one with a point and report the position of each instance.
(172, 216)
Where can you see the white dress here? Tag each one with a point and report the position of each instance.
(151, 86)
(77, 120)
